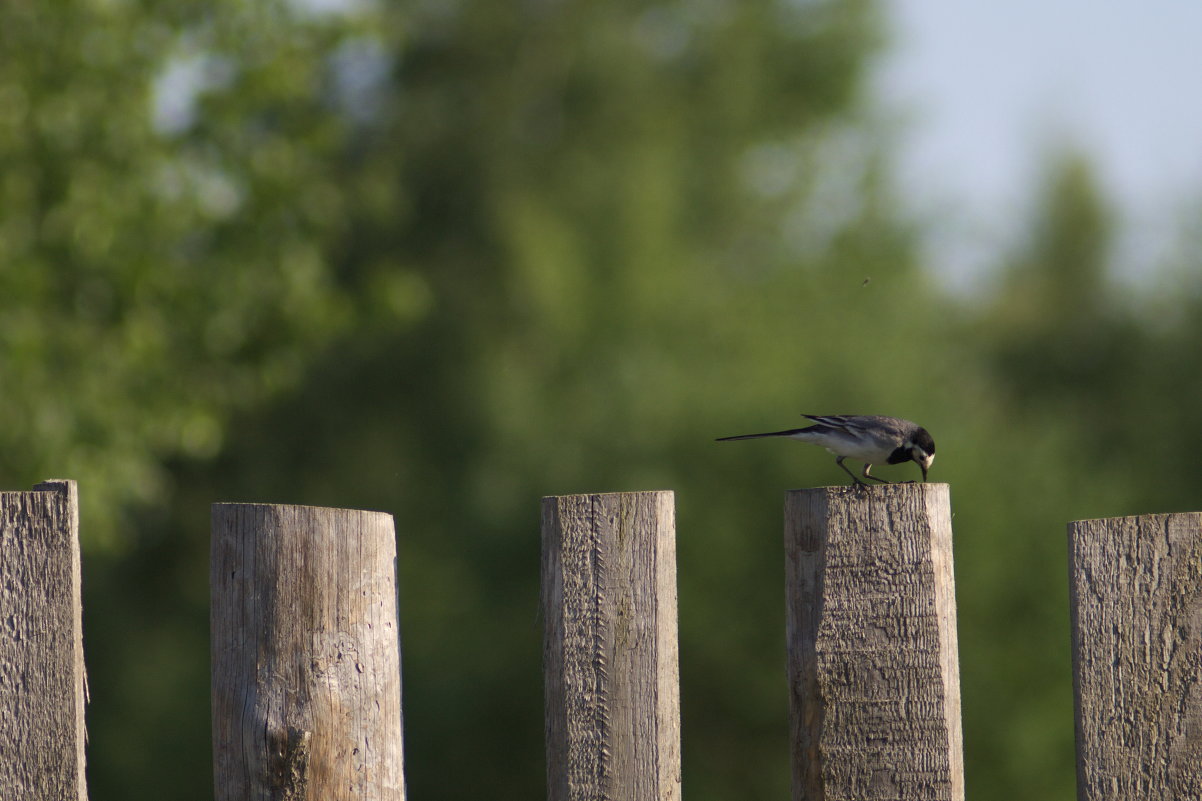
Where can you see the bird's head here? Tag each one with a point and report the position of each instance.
(922, 450)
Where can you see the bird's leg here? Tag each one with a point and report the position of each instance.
(867, 466)
(839, 461)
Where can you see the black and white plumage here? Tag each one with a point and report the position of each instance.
(872, 439)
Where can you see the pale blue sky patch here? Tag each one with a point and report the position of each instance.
(989, 90)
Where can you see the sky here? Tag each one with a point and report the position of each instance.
(986, 91)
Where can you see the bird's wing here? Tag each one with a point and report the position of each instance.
(858, 422)
(881, 431)
(842, 422)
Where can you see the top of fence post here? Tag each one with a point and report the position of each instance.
(874, 681)
(1135, 591)
(306, 654)
(43, 685)
(610, 647)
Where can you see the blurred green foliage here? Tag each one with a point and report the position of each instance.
(444, 258)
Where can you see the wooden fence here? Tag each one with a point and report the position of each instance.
(306, 650)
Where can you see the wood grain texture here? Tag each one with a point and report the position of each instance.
(874, 684)
(1136, 599)
(306, 655)
(610, 647)
(43, 685)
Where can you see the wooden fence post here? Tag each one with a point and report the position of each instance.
(43, 686)
(610, 647)
(874, 683)
(306, 654)
(1135, 588)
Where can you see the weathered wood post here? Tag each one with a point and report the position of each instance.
(874, 684)
(610, 647)
(43, 686)
(306, 654)
(1135, 590)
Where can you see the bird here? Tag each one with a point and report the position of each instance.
(873, 439)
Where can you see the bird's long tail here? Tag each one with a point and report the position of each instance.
(788, 433)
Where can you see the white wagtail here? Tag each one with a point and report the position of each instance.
(870, 438)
